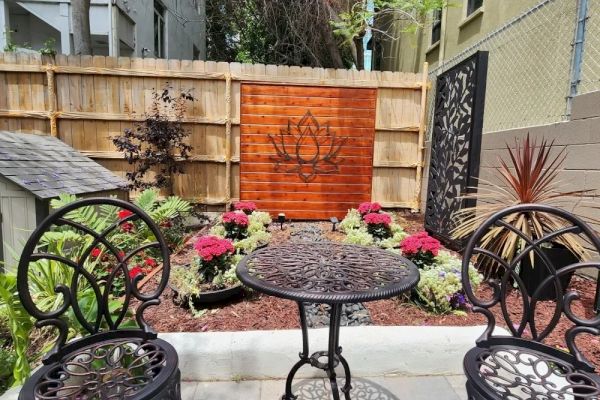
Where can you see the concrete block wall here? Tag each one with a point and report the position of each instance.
(579, 137)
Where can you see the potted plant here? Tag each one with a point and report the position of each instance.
(210, 277)
(529, 177)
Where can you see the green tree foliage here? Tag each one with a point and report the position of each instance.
(387, 19)
(316, 33)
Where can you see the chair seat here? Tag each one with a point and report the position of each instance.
(113, 368)
(520, 373)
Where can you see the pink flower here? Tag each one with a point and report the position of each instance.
(377, 219)
(209, 247)
(420, 242)
(124, 214)
(246, 206)
(368, 207)
(235, 218)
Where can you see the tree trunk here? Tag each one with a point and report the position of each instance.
(333, 47)
(82, 39)
(360, 53)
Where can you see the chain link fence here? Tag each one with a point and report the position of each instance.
(530, 64)
(590, 66)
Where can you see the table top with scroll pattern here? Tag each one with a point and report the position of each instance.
(325, 272)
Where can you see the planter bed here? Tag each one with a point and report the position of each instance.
(252, 311)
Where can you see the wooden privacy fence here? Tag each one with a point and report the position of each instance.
(86, 100)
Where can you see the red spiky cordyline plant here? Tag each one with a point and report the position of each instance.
(529, 177)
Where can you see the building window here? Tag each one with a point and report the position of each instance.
(159, 30)
(473, 5)
(436, 27)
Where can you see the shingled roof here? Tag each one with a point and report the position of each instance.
(47, 167)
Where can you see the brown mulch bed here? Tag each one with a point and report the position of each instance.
(256, 311)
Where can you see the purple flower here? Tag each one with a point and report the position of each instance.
(458, 301)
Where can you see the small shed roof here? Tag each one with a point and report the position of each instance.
(47, 167)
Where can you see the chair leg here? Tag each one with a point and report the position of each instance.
(172, 390)
(472, 394)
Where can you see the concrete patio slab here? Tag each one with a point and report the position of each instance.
(388, 388)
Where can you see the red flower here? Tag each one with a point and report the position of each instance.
(124, 214)
(127, 227)
(166, 224)
(420, 242)
(246, 206)
(235, 218)
(121, 254)
(368, 207)
(96, 252)
(150, 262)
(209, 247)
(135, 271)
(377, 219)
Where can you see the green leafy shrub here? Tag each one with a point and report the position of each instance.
(440, 288)
(359, 236)
(19, 324)
(351, 221)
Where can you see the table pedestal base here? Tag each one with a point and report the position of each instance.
(325, 360)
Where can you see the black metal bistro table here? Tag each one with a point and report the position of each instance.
(329, 273)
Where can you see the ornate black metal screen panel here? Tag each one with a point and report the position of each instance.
(455, 144)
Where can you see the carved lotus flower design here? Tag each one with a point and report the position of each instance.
(307, 149)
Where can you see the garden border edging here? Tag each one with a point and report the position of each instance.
(370, 351)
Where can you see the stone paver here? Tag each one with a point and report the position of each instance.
(380, 388)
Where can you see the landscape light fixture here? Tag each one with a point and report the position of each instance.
(281, 219)
(334, 222)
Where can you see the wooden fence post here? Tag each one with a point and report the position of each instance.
(227, 140)
(421, 142)
(52, 100)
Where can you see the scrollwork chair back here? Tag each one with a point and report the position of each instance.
(89, 259)
(524, 324)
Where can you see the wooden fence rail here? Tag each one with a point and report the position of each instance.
(85, 101)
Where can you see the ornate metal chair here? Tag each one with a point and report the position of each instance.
(86, 262)
(521, 366)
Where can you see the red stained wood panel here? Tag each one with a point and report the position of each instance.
(344, 172)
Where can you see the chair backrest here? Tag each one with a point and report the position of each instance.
(82, 266)
(524, 322)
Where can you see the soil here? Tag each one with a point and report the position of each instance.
(256, 311)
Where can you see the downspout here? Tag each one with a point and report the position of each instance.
(582, 16)
(113, 36)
